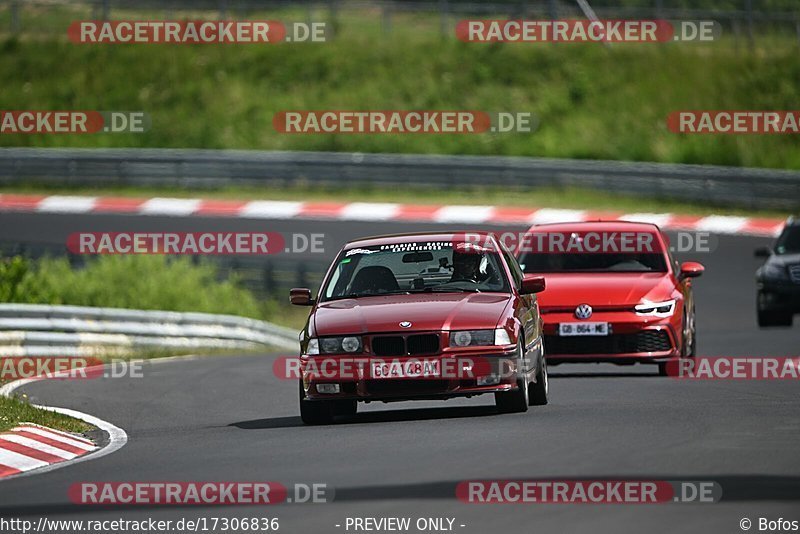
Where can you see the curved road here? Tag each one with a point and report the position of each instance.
(229, 419)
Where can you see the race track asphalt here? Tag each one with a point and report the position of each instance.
(229, 419)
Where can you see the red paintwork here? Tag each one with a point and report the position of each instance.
(428, 312)
(613, 296)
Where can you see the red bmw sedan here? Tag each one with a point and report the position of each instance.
(422, 316)
(614, 293)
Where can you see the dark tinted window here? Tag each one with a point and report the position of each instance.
(789, 241)
(415, 267)
(588, 262)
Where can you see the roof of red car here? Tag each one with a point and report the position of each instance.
(410, 238)
(601, 226)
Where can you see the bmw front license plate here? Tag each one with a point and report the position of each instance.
(583, 329)
(406, 369)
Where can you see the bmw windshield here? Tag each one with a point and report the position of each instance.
(420, 267)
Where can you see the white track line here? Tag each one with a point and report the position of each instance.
(21, 462)
(53, 433)
(170, 206)
(80, 444)
(38, 445)
(67, 204)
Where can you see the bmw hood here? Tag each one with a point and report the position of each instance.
(425, 312)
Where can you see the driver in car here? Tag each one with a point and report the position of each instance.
(466, 267)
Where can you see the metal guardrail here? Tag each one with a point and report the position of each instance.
(743, 19)
(42, 330)
(717, 185)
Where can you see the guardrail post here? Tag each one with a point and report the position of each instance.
(334, 15)
(444, 15)
(749, 9)
(302, 276)
(15, 26)
(386, 18)
(552, 9)
(269, 279)
(797, 29)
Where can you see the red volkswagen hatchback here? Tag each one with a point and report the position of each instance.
(422, 316)
(614, 293)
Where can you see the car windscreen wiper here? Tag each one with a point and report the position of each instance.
(453, 290)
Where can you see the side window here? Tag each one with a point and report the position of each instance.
(676, 267)
(516, 272)
(333, 281)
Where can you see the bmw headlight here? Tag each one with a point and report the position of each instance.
(657, 309)
(339, 345)
(479, 338)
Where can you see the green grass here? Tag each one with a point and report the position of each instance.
(571, 198)
(138, 282)
(592, 101)
(17, 410)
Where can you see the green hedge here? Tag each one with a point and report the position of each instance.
(138, 282)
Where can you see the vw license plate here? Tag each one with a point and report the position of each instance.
(583, 329)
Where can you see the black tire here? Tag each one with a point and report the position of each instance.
(662, 369)
(771, 318)
(315, 412)
(540, 388)
(345, 408)
(692, 352)
(515, 401)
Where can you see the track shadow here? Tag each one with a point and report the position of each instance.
(383, 416)
(606, 374)
(272, 422)
(735, 488)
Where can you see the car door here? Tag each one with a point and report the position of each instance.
(526, 307)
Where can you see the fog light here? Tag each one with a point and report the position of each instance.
(488, 380)
(328, 389)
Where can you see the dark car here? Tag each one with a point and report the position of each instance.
(395, 312)
(778, 280)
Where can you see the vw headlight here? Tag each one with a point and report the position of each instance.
(657, 309)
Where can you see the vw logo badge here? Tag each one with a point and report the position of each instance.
(405, 324)
(584, 311)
